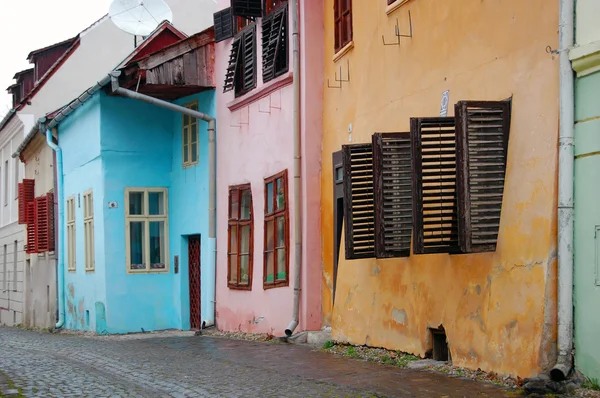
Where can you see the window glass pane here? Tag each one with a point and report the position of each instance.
(136, 243)
(244, 269)
(245, 243)
(157, 245)
(280, 194)
(233, 245)
(186, 120)
(281, 274)
(194, 155)
(156, 203)
(269, 235)
(246, 204)
(281, 231)
(269, 198)
(186, 156)
(270, 268)
(233, 268)
(339, 176)
(233, 204)
(136, 203)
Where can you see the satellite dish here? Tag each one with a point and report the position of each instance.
(139, 17)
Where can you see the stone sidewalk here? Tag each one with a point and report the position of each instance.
(55, 365)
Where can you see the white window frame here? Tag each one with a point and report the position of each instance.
(88, 230)
(186, 146)
(71, 237)
(6, 183)
(17, 166)
(146, 218)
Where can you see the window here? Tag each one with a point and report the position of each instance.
(271, 5)
(71, 248)
(343, 23)
(15, 267)
(88, 229)
(44, 223)
(147, 227)
(5, 283)
(241, 23)
(6, 192)
(241, 70)
(276, 259)
(17, 166)
(26, 194)
(189, 135)
(274, 40)
(240, 238)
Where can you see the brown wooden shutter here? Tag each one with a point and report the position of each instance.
(25, 195)
(359, 215)
(392, 176)
(223, 21)
(249, 58)
(232, 66)
(41, 224)
(482, 130)
(247, 8)
(31, 227)
(274, 40)
(434, 185)
(51, 227)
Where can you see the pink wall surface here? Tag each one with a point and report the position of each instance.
(255, 141)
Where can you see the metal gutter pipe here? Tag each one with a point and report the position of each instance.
(297, 167)
(212, 200)
(60, 262)
(565, 193)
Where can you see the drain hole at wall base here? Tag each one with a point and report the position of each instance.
(440, 351)
(87, 317)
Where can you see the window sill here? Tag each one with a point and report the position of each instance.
(275, 84)
(145, 271)
(239, 287)
(275, 285)
(394, 6)
(343, 51)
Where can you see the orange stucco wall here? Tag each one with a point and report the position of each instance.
(498, 308)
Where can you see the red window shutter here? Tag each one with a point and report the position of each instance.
(31, 228)
(41, 224)
(51, 228)
(26, 193)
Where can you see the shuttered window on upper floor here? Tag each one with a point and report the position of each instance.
(275, 43)
(247, 8)
(241, 69)
(223, 22)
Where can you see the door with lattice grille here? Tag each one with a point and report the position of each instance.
(194, 267)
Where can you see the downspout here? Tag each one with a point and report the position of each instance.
(565, 194)
(212, 196)
(61, 239)
(297, 165)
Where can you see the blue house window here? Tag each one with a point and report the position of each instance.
(189, 135)
(147, 226)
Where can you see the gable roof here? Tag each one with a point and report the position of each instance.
(23, 72)
(64, 43)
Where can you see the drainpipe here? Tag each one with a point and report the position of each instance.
(565, 194)
(297, 164)
(212, 197)
(60, 261)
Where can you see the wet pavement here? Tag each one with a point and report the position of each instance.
(58, 365)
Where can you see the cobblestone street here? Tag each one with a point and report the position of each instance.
(57, 365)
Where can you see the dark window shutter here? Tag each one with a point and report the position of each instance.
(434, 185)
(232, 67)
(223, 21)
(31, 227)
(482, 130)
(247, 8)
(274, 43)
(41, 224)
(359, 221)
(249, 59)
(51, 227)
(25, 195)
(393, 194)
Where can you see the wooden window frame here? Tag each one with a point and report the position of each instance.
(275, 54)
(342, 21)
(236, 72)
(186, 145)
(71, 235)
(146, 218)
(273, 216)
(88, 231)
(269, 7)
(236, 221)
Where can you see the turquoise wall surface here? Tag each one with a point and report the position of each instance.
(111, 144)
(587, 224)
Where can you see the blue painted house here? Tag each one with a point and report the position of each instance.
(136, 189)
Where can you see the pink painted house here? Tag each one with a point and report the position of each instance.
(256, 223)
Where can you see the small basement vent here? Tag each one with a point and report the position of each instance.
(440, 350)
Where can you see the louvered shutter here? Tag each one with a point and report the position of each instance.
(31, 228)
(247, 8)
(41, 224)
(482, 130)
(434, 185)
(223, 21)
(359, 214)
(232, 66)
(25, 195)
(274, 43)
(249, 58)
(393, 194)
(51, 227)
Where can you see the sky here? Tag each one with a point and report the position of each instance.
(27, 25)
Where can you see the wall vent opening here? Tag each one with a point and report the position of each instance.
(440, 350)
(87, 317)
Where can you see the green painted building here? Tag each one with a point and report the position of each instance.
(585, 58)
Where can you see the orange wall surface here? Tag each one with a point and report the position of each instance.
(498, 309)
